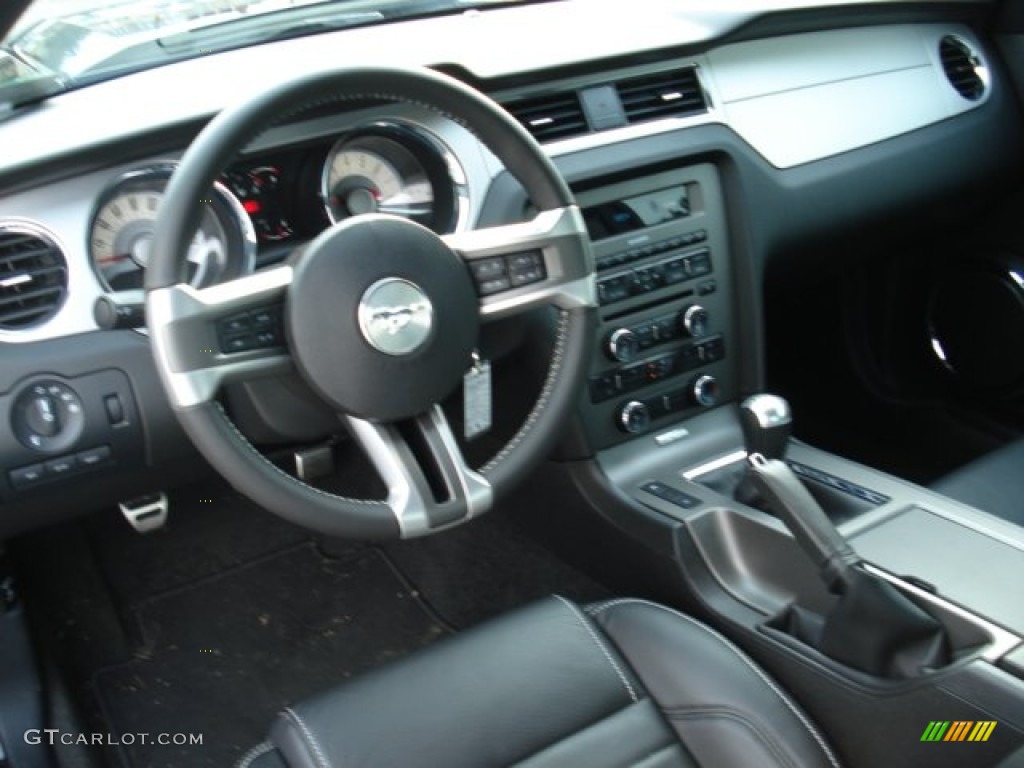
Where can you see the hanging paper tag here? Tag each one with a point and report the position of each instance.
(476, 396)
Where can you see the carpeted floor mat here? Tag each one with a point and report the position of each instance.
(221, 656)
(485, 568)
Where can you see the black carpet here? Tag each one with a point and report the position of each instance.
(485, 568)
(222, 656)
(213, 624)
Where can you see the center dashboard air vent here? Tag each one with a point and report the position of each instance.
(667, 94)
(574, 112)
(550, 117)
(966, 71)
(33, 276)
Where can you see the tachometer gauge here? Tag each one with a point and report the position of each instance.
(389, 169)
(121, 233)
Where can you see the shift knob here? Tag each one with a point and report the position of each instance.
(767, 425)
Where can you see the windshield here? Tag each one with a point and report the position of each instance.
(59, 44)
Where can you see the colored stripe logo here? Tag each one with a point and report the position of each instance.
(958, 730)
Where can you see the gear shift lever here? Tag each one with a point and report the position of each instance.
(767, 424)
(872, 627)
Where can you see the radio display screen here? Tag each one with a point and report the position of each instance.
(621, 216)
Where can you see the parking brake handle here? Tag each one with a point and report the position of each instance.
(787, 497)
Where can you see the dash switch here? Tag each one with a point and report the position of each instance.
(114, 408)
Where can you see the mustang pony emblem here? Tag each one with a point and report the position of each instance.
(395, 316)
(393, 319)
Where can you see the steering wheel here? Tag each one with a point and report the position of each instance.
(378, 314)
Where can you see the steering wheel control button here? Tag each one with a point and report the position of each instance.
(382, 317)
(502, 273)
(526, 268)
(47, 416)
(256, 329)
(395, 316)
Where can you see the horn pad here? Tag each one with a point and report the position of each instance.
(382, 317)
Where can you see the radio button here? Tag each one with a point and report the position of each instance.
(646, 335)
(604, 387)
(707, 287)
(674, 271)
(613, 289)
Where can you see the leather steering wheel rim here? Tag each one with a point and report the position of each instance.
(182, 319)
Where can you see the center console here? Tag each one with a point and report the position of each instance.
(664, 282)
(660, 410)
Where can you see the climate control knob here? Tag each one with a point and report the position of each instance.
(634, 417)
(694, 320)
(622, 345)
(705, 391)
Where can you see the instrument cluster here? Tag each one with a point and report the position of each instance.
(266, 205)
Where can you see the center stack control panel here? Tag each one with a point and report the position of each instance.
(664, 287)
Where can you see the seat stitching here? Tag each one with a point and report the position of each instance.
(694, 713)
(601, 646)
(259, 750)
(310, 739)
(790, 704)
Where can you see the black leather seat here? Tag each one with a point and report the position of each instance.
(994, 483)
(625, 682)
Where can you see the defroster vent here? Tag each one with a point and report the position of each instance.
(33, 276)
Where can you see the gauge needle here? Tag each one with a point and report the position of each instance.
(113, 259)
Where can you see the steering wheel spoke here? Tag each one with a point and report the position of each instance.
(430, 486)
(546, 260)
(204, 338)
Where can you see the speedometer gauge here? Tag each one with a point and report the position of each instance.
(121, 233)
(389, 169)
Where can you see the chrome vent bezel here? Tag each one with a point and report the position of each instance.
(964, 67)
(31, 293)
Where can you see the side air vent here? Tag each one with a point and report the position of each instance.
(33, 277)
(964, 68)
(667, 94)
(550, 117)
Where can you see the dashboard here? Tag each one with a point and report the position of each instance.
(697, 144)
